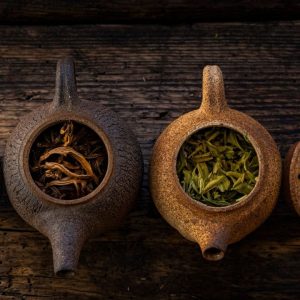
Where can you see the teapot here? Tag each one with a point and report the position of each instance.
(69, 221)
(291, 179)
(213, 228)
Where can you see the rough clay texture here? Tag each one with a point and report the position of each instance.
(292, 177)
(68, 226)
(211, 227)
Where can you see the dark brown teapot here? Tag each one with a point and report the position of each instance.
(68, 221)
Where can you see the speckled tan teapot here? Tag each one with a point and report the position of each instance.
(292, 177)
(69, 222)
(213, 228)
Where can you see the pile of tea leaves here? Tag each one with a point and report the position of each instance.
(217, 166)
(68, 160)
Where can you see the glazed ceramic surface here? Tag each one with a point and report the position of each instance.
(213, 228)
(68, 223)
(292, 177)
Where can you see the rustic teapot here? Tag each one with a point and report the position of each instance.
(69, 222)
(213, 228)
(292, 177)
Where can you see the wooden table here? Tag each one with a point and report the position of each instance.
(151, 74)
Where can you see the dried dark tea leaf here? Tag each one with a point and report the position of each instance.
(68, 160)
(217, 166)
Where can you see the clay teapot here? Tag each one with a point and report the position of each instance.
(292, 177)
(68, 223)
(213, 228)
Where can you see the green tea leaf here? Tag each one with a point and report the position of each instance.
(232, 139)
(224, 185)
(244, 188)
(217, 166)
(213, 183)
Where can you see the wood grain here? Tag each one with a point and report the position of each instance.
(150, 75)
(145, 11)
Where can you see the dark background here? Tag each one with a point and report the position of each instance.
(144, 60)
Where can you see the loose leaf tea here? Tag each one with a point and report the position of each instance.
(217, 166)
(68, 160)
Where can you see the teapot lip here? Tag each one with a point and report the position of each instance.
(52, 120)
(189, 201)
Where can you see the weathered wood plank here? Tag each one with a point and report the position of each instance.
(145, 11)
(150, 75)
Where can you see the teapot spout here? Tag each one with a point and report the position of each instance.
(213, 246)
(66, 241)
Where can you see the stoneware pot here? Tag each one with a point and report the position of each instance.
(213, 228)
(292, 177)
(68, 223)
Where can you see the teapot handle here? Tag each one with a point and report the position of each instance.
(65, 87)
(213, 93)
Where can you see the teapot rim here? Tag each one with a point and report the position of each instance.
(188, 200)
(50, 121)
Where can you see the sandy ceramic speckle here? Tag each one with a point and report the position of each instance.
(213, 228)
(68, 223)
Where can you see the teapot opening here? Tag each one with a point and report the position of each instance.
(213, 253)
(65, 273)
(68, 160)
(217, 166)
